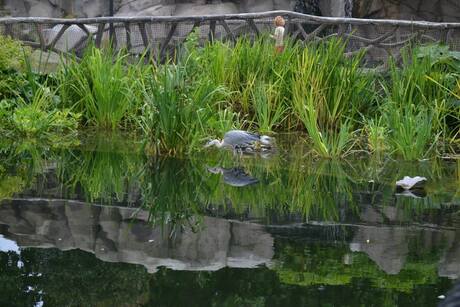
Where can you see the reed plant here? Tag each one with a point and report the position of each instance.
(246, 67)
(175, 114)
(269, 107)
(414, 108)
(100, 87)
(328, 93)
(376, 133)
(411, 131)
(105, 171)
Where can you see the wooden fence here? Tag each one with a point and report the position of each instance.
(158, 35)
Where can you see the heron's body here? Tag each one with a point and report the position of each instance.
(234, 176)
(240, 140)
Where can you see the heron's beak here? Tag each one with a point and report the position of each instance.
(208, 144)
(212, 170)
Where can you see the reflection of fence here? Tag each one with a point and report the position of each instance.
(158, 34)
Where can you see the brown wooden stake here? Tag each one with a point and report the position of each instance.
(145, 38)
(167, 39)
(41, 38)
(99, 34)
(128, 36)
(227, 29)
(212, 31)
(57, 37)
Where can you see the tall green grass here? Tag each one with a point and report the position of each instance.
(100, 87)
(415, 109)
(175, 115)
(329, 91)
(410, 112)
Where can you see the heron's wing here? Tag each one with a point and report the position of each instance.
(237, 177)
(240, 138)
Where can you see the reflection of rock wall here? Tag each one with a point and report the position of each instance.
(113, 234)
(388, 247)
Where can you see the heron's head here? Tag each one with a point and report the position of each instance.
(216, 143)
(215, 170)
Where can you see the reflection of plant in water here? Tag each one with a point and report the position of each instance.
(103, 173)
(326, 265)
(174, 191)
(170, 193)
(317, 189)
(9, 185)
(20, 164)
(58, 278)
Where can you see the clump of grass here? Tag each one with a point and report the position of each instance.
(100, 86)
(11, 54)
(37, 118)
(377, 134)
(268, 109)
(328, 92)
(175, 114)
(414, 108)
(246, 67)
(411, 131)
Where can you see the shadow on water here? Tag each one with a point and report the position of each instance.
(115, 226)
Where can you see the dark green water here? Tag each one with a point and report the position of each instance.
(103, 225)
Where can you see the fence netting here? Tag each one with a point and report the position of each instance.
(160, 38)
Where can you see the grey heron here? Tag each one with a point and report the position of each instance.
(243, 141)
(235, 176)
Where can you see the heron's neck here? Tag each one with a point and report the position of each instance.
(218, 143)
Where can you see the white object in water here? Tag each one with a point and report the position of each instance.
(441, 297)
(408, 183)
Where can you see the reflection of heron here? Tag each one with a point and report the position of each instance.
(235, 176)
(243, 141)
(411, 186)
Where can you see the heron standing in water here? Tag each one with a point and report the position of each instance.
(243, 141)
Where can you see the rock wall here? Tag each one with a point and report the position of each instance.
(93, 8)
(440, 11)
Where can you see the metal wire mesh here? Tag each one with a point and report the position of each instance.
(159, 37)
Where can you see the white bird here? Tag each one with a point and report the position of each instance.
(243, 141)
(408, 183)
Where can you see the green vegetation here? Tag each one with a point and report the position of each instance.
(409, 112)
(108, 169)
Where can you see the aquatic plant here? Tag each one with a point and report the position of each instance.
(409, 95)
(268, 109)
(175, 115)
(100, 87)
(11, 54)
(245, 67)
(36, 118)
(329, 91)
(411, 131)
(107, 156)
(202, 91)
(376, 134)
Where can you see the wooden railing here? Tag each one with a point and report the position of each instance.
(158, 34)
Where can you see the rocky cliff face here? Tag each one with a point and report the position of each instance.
(441, 10)
(93, 8)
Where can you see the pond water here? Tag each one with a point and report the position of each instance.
(102, 224)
